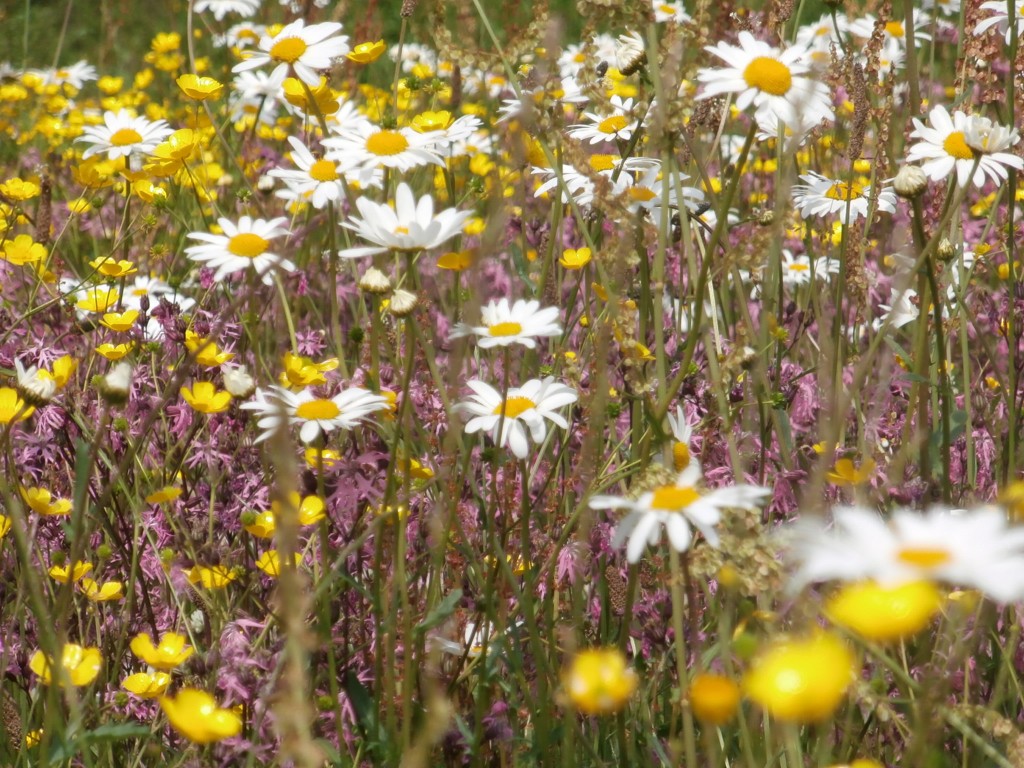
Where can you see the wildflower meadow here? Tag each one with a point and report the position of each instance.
(489, 383)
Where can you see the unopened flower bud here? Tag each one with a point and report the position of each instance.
(402, 303)
(946, 250)
(117, 384)
(375, 281)
(237, 381)
(766, 218)
(910, 182)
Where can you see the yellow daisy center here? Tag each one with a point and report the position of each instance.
(288, 50)
(798, 267)
(318, 409)
(505, 329)
(602, 162)
(956, 146)
(680, 456)
(673, 498)
(924, 557)
(612, 124)
(768, 75)
(387, 143)
(641, 194)
(514, 407)
(841, 191)
(247, 244)
(894, 29)
(323, 170)
(125, 137)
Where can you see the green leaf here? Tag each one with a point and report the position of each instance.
(441, 611)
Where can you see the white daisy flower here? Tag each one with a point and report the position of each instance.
(894, 31)
(409, 226)
(678, 508)
(823, 37)
(525, 408)
(669, 11)
(975, 549)
(619, 124)
(761, 74)
(579, 186)
(1000, 19)
(316, 181)
(944, 146)
(944, 7)
(243, 245)
(822, 196)
(366, 147)
(648, 187)
(221, 8)
(76, 75)
(901, 309)
(241, 35)
(278, 406)
(307, 50)
(451, 140)
(682, 431)
(122, 135)
(34, 386)
(504, 325)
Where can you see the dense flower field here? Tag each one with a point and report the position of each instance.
(477, 395)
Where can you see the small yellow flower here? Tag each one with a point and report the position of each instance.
(200, 88)
(326, 100)
(101, 593)
(599, 681)
(170, 653)
(115, 352)
(425, 122)
(23, 250)
(5, 525)
(365, 53)
(147, 685)
(575, 258)
(270, 562)
(64, 368)
(110, 267)
(204, 397)
(211, 577)
(42, 502)
(714, 698)
(303, 372)
(195, 715)
(81, 665)
(19, 190)
(64, 573)
(163, 495)
(326, 457)
(801, 681)
(120, 322)
(261, 525)
(884, 614)
(98, 299)
(456, 261)
(32, 738)
(310, 509)
(206, 352)
(845, 472)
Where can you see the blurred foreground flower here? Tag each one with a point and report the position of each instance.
(195, 715)
(714, 698)
(599, 681)
(171, 651)
(883, 613)
(81, 664)
(801, 681)
(147, 685)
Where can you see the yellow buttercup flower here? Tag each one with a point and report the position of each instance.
(575, 258)
(206, 352)
(883, 613)
(101, 593)
(42, 502)
(120, 322)
(714, 698)
(195, 715)
(200, 88)
(204, 397)
(147, 685)
(81, 665)
(171, 652)
(64, 368)
(164, 495)
(110, 267)
(303, 372)
(425, 122)
(845, 472)
(98, 299)
(5, 525)
(310, 509)
(455, 261)
(65, 573)
(801, 681)
(599, 681)
(23, 250)
(261, 524)
(115, 351)
(19, 190)
(365, 53)
(211, 577)
(328, 458)
(270, 562)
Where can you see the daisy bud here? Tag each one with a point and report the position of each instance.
(766, 218)
(375, 281)
(117, 384)
(237, 381)
(946, 250)
(403, 303)
(910, 182)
